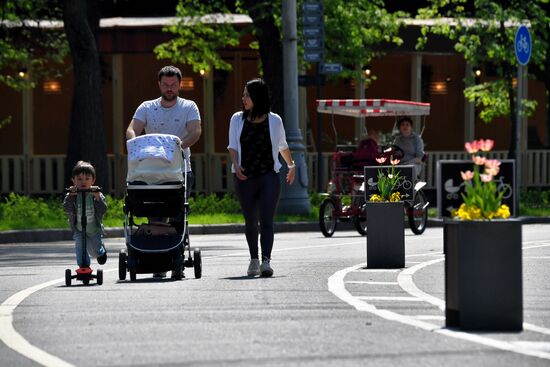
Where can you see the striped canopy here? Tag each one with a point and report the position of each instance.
(372, 107)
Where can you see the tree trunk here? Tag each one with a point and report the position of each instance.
(271, 49)
(86, 136)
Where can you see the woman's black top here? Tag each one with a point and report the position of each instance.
(256, 149)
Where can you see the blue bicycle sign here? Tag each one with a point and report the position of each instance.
(523, 45)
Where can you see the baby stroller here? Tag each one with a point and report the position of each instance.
(155, 210)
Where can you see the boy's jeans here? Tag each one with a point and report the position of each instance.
(94, 247)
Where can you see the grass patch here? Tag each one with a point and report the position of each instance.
(22, 212)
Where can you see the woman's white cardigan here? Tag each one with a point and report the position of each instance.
(276, 132)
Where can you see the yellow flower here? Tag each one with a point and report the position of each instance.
(376, 198)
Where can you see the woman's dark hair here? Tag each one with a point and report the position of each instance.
(259, 94)
(170, 71)
(83, 167)
(403, 119)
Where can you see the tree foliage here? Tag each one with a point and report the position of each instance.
(355, 30)
(201, 29)
(31, 39)
(484, 32)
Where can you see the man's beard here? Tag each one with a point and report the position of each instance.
(169, 98)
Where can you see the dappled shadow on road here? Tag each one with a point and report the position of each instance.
(252, 277)
(37, 254)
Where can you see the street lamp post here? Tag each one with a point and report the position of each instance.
(294, 198)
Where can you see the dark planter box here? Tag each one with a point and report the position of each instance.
(483, 275)
(385, 235)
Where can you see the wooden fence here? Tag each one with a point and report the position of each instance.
(213, 172)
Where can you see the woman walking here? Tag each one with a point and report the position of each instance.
(256, 137)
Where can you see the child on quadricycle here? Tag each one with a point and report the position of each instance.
(83, 177)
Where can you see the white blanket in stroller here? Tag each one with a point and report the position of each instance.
(155, 159)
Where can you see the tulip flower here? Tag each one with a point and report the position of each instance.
(479, 160)
(481, 198)
(472, 147)
(485, 177)
(381, 160)
(486, 145)
(394, 162)
(467, 176)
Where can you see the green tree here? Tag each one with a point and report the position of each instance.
(484, 32)
(32, 43)
(35, 35)
(350, 42)
(347, 41)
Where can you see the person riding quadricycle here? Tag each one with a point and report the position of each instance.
(347, 193)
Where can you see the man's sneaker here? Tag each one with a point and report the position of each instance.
(102, 259)
(254, 267)
(177, 274)
(159, 275)
(266, 270)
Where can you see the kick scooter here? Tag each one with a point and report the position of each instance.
(84, 274)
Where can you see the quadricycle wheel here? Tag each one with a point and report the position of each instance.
(327, 217)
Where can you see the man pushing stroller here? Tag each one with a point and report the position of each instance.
(169, 114)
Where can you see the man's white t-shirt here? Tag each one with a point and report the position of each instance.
(173, 120)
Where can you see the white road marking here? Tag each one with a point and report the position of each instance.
(362, 270)
(429, 317)
(369, 282)
(336, 285)
(379, 298)
(16, 341)
(405, 281)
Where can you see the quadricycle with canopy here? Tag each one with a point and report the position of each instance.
(347, 189)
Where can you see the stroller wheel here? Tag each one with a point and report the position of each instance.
(68, 277)
(133, 275)
(122, 265)
(197, 263)
(99, 277)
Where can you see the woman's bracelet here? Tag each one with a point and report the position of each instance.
(293, 165)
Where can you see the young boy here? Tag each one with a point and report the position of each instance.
(83, 177)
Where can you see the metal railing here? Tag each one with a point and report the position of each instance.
(213, 172)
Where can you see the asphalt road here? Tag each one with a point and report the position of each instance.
(321, 308)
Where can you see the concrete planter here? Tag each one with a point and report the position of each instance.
(483, 275)
(385, 235)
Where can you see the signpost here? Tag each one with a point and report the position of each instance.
(331, 68)
(522, 47)
(313, 35)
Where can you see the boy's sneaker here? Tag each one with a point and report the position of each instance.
(254, 267)
(266, 270)
(102, 259)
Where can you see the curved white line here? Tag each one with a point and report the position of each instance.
(336, 285)
(16, 341)
(405, 281)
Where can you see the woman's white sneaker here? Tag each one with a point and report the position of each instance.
(266, 270)
(254, 267)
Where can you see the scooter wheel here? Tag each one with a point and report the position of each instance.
(99, 277)
(68, 277)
